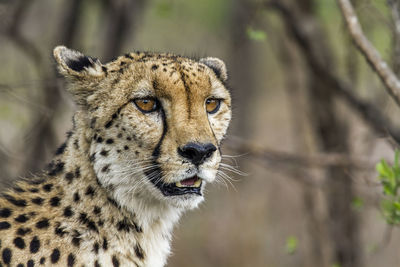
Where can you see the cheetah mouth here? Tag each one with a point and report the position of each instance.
(191, 185)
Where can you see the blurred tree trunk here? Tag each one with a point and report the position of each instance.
(394, 6)
(70, 22)
(299, 123)
(121, 16)
(330, 129)
(41, 134)
(331, 132)
(4, 169)
(241, 72)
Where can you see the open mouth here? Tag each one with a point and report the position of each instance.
(191, 185)
(189, 182)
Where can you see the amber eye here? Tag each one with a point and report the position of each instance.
(212, 105)
(146, 105)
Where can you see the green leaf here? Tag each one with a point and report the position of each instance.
(391, 211)
(390, 180)
(396, 205)
(387, 189)
(291, 244)
(384, 169)
(256, 35)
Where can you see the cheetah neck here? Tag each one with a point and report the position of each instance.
(140, 225)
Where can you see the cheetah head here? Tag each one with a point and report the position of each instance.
(153, 122)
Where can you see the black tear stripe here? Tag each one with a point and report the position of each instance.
(154, 175)
(156, 151)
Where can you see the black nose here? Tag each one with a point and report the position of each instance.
(197, 153)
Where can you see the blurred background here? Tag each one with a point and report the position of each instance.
(310, 119)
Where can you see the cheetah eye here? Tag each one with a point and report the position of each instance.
(212, 105)
(146, 105)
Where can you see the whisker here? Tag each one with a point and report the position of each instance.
(221, 181)
(230, 168)
(226, 178)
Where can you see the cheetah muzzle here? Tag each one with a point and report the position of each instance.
(145, 142)
(197, 154)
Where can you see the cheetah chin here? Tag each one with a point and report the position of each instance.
(145, 142)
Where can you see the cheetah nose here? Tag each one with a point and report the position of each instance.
(197, 153)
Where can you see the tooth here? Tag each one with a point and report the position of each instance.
(197, 183)
(178, 184)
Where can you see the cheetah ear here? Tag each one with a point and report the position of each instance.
(217, 65)
(75, 65)
(82, 72)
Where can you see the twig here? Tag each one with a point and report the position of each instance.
(370, 53)
(320, 160)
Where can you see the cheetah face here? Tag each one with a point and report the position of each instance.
(156, 123)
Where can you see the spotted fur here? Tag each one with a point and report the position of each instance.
(101, 201)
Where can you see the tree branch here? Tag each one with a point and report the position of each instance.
(368, 112)
(320, 160)
(373, 57)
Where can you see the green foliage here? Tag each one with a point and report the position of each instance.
(291, 245)
(389, 176)
(256, 35)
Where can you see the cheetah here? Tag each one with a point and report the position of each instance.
(145, 141)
